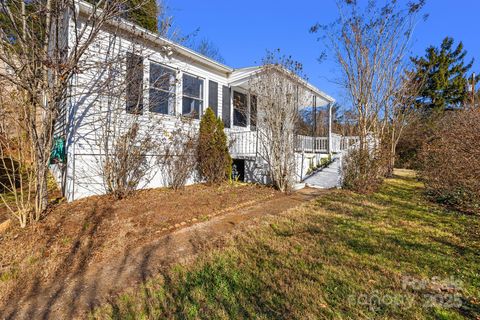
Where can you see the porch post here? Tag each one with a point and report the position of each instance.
(314, 102)
(329, 128)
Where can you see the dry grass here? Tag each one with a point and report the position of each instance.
(343, 256)
(80, 238)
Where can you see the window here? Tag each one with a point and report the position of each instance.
(226, 106)
(213, 96)
(162, 89)
(239, 109)
(192, 103)
(134, 78)
(253, 112)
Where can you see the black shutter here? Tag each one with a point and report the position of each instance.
(134, 79)
(213, 96)
(226, 106)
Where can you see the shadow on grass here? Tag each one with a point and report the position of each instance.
(321, 260)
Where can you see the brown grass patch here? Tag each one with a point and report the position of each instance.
(78, 236)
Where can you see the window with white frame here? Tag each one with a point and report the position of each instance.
(162, 89)
(192, 102)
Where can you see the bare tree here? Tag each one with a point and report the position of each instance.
(40, 64)
(399, 113)
(370, 43)
(278, 92)
(208, 49)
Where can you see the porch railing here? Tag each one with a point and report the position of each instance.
(311, 144)
(348, 141)
(242, 143)
(246, 143)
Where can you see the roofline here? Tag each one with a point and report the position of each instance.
(308, 85)
(87, 8)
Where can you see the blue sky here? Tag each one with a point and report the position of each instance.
(244, 30)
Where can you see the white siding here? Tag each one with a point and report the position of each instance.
(89, 104)
(89, 109)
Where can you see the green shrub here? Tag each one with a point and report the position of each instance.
(213, 160)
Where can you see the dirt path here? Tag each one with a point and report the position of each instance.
(72, 297)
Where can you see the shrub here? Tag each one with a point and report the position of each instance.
(126, 163)
(363, 170)
(451, 161)
(213, 160)
(419, 130)
(179, 154)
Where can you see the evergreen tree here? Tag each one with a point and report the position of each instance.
(144, 13)
(444, 73)
(141, 12)
(214, 161)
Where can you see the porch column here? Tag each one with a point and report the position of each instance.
(330, 128)
(314, 103)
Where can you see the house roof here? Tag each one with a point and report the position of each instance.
(235, 76)
(241, 77)
(127, 26)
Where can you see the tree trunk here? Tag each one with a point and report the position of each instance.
(392, 152)
(41, 195)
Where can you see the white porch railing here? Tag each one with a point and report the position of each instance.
(246, 143)
(341, 143)
(348, 141)
(311, 144)
(242, 143)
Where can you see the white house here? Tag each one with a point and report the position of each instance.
(193, 82)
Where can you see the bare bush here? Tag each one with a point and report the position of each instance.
(17, 174)
(416, 132)
(363, 169)
(451, 161)
(126, 163)
(128, 141)
(178, 158)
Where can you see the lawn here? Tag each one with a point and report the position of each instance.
(389, 255)
(84, 251)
